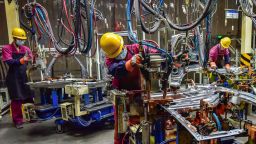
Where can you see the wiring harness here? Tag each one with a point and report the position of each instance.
(247, 9)
(74, 28)
(157, 9)
(132, 36)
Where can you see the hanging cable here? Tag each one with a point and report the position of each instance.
(42, 19)
(200, 46)
(247, 8)
(71, 31)
(184, 27)
(157, 22)
(89, 9)
(132, 36)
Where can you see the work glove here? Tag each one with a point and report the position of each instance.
(227, 66)
(213, 65)
(134, 61)
(25, 58)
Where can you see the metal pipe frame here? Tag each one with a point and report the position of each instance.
(48, 72)
(193, 131)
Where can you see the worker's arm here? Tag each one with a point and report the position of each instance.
(212, 57)
(7, 57)
(30, 55)
(13, 62)
(227, 56)
(16, 61)
(117, 69)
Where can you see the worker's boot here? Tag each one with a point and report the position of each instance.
(19, 126)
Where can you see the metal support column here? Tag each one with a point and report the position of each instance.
(12, 17)
(99, 93)
(246, 35)
(94, 94)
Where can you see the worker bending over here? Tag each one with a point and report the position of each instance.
(16, 55)
(123, 64)
(218, 52)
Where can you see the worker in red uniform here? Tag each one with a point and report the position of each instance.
(122, 62)
(218, 52)
(16, 55)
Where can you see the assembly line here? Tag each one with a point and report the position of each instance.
(148, 71)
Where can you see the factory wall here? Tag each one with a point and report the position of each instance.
(3, 24)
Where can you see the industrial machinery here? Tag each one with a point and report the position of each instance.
(170, 107)
(208, 113)
(81, 101)
(4, 100)
(84, 103)
(202, 113)
(4, 95)
(90, 105)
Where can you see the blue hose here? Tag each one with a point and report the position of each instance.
(42, 15)
(133, 37)
(90, 20)
(51, 116)
(161, 3)
(217, 121)
(82, 122)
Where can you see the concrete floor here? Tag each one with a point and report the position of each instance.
(44, 133)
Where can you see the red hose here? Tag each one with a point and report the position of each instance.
(66, 12)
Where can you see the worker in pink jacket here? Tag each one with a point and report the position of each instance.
(17, 55)
(122, 62)
(219, 55)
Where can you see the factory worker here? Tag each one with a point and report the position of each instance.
(122, 62)
(16, 55)
(219, 54)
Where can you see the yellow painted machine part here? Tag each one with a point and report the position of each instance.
(247, 56)
(12, 17)
(246, 35)
(245, 62)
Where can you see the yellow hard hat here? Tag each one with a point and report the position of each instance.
(225, 42)
(112, 44)
(19, 33)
